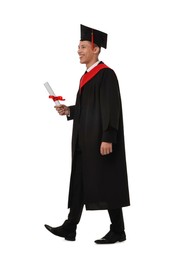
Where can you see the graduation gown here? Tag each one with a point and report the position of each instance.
(97, 117)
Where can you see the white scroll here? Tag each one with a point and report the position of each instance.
(52, 94)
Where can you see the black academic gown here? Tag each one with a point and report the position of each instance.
(97, 117)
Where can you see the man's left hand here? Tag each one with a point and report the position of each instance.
(105, 148)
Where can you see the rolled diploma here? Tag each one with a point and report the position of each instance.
(51, 93)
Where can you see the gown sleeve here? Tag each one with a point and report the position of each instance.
(72, 113)
(110, 105)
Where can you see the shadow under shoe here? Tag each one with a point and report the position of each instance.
(67, 230)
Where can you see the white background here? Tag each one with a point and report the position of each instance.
(38, 43)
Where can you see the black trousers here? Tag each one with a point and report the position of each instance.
(77, 199)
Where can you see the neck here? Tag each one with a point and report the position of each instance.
(88, 65)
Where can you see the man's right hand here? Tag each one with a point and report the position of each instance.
(63, 110)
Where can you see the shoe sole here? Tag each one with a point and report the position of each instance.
(106, 243)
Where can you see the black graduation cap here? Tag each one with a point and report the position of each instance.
(94, 36)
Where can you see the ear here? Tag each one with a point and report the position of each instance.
(96, 50)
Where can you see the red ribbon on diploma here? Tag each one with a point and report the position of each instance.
(57, 98)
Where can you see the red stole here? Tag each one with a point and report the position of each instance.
(89, 75)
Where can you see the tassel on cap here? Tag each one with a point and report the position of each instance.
(92, 37)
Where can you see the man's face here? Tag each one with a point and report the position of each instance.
(86, 52)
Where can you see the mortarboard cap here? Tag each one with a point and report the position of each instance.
(94, 36)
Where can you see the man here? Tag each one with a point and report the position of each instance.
(99, 173)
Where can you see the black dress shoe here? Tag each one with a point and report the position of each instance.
(111, 238)
(67, 230)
